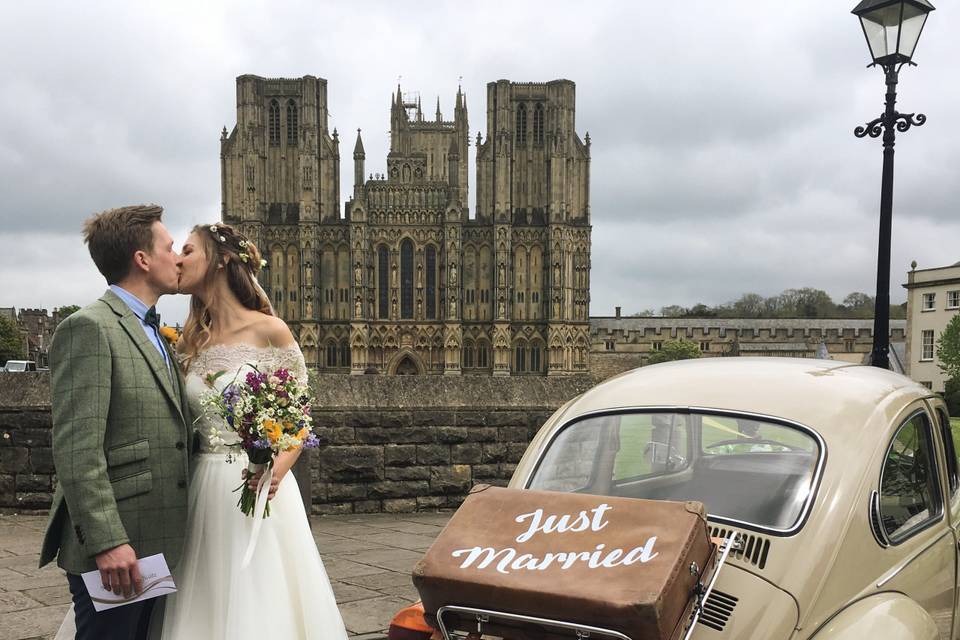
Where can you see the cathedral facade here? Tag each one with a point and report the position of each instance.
(406, 280)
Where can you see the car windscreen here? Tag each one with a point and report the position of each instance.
(745, 470)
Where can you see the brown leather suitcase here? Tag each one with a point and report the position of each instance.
(622, 564)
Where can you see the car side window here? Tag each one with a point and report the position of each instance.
(909, 492)
(950, 451)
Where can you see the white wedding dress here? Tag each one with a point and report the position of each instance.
(284, 592)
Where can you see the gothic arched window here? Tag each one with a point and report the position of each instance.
(535, 358)
(482, 360)
(521, 358)
(331, 355)
(406, 279)
(468, 355)
(274, 122)
(431, 282)
(344, 354)
(293, 125)
(538, 124)
(522, 124)
(383, 283)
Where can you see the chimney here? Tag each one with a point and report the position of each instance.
(618, 313)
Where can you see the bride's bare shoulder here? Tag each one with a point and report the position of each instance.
(272, 331)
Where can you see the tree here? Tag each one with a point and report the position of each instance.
(63, 312)
(948, 349)
(11, 342)
(673, 311)
(857, 305)
(750, 305)
(675, 350)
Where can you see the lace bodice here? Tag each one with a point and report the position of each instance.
(231, 358)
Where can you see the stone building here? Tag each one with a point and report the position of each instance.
(622, 343)
(933, 299)
(406, 281)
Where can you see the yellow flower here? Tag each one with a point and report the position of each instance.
(273, 430)
(170, 334)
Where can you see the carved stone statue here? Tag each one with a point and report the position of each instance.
(453, 274)
(358, 275)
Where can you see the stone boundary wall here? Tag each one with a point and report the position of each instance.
(389, 443)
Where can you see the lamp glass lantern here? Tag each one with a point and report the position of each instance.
(892, 27)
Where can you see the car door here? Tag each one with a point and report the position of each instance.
(951, 471)
(910, 519)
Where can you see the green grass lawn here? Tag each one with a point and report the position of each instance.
(955, 427)
(636, 429)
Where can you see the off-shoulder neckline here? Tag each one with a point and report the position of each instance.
(269, 347)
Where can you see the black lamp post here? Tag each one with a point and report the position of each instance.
(892, 29)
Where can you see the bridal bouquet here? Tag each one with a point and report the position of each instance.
(270, 413)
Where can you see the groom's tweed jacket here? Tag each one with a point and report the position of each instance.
(121, 442)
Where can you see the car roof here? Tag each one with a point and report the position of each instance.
(823, 394)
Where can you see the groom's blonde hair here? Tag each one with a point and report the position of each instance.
(240, 258)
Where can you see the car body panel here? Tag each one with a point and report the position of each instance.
(891, 616)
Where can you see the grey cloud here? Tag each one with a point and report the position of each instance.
(723, 155)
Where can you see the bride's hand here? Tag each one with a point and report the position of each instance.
(254, 480)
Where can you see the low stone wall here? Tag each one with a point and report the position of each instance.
(26, 459)
(389, 443)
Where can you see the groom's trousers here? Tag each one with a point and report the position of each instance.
(119, 623)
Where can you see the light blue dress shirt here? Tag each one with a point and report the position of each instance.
(140, 310)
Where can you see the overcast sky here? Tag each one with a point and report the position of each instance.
(723, 155)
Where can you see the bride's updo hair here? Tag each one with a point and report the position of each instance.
(241, 261)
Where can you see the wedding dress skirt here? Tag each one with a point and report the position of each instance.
(284, 591)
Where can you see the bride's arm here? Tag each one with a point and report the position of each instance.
(277, 334)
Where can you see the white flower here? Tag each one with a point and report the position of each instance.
(263, 263)
(222, 239)
(213, 228)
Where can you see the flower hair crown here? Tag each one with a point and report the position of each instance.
(244, 256)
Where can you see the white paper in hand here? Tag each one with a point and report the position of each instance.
(157, 581)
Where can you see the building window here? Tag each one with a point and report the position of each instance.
(293, 127)
(704, 346)
(274, 122)
(538, 124)
(383, 283)
(535, 359)
(431, 282)
(482, 356)
(522, 124)
(331, 355)
(406, 279)
(953, 299)
(344, 354)
(521, 358)
(929, 301)
(468, 356)
(656, 346)
(609, 345)
(926, 337)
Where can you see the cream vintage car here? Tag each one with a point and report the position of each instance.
(842, 481)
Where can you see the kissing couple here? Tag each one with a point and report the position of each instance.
(131, 480)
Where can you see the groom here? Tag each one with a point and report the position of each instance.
(120, 425)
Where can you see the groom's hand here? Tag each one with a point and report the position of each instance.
(119, 570)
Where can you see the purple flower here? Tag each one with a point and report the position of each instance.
(310, 442)
(262, 443)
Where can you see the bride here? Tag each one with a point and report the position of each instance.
(284, 591)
